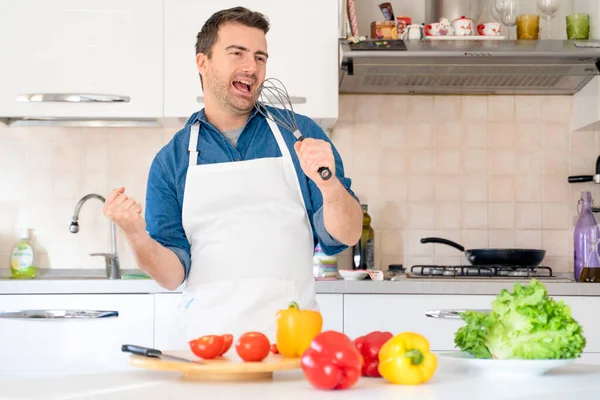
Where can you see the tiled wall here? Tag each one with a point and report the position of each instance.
(483, 171)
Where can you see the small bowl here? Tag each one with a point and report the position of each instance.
(352, 274)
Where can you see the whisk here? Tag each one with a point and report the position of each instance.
(273, 91)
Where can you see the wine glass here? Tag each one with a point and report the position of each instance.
(509, 15)
(494, 12)
(549, 9)
(498, 5)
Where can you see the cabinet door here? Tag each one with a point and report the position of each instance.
(33, 346)
(305, 60)
(110, 51)
(168, 336)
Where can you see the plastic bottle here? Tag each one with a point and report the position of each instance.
(23, 258)
(324, 266)
(364, 250)
(583, 232)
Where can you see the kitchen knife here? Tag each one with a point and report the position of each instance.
(145, 351)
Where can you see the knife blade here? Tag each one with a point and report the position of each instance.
(148, 352)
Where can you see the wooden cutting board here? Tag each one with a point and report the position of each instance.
(227, 368)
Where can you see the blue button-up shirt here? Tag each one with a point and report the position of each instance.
(166, 180)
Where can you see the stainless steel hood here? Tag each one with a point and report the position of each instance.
(545, 67)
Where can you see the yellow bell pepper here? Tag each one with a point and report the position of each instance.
(406, 359)
(296, 329)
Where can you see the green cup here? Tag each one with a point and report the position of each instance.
(578, 27)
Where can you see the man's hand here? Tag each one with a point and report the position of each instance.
(314, 154)
(125, 212)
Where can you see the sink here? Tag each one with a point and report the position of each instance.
(76, 274)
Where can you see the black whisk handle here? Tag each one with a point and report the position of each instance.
(325, 173)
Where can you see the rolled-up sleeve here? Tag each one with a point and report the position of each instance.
(329, 244)
(163, 213)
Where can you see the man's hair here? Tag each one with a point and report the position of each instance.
(206, 38)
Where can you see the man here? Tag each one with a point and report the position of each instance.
(235, 205)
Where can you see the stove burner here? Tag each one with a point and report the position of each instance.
(490, 271)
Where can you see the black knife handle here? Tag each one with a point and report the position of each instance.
(581, 178)
(140, 351)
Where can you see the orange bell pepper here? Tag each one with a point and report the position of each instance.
(296, 329)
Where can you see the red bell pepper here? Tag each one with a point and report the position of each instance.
(332, 361)
(369, 346)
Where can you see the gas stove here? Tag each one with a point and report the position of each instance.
(496, 272)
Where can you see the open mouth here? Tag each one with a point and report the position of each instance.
(243, 86)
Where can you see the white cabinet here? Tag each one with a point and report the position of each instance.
(31, 346)
(401, 313)
(106, 56)
(305, 60)
(168, 336)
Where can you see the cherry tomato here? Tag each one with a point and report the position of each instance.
(228, 340)
(253, 346)
(208, 347)
(274, 348)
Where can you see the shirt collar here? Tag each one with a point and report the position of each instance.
(200, 116)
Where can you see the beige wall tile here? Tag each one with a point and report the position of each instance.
(419, 135)
(474, 216)
(421, 188)
(582, 162)
(558, 264)
(444, 250)
(475, 135)
(420, 162)
(528, 108)
(502, 188)
(448, 108)
(367, 108)
(393, 189)
(555, 188)
(393, 242)
(502, 135)
(448, 188)
(448, 162)
(502, 215)
(556, 109)
(528, 215)
(556, 162)
(556, 216)
(447, 135)
(393, 215)
(582, 140)
(528, 136)
(392, 136)
(346, 107)
(502, 162)
(474, 108)
(555, 136)
(420, 108)
(393, 162)
(421, 215)
(414, 245)
(475, 161)
(501, 108)
(504, 238)
(393, 109)
(528, 188)
(447, 216)
(474, 239)
(528, 239)
(528, 162)
(475, 188)
(556, 242)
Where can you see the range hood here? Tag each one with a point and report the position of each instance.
(519, 67)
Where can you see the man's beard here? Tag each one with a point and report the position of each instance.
(222, 91)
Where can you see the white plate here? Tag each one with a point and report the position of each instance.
(520, 369)
(473, 37)
(353, 275)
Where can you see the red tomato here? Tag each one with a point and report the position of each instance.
(228, 339)
(208, 347)
(274, 348)
(253, 346)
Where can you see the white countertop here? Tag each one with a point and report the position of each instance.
(93, 281)
(577, 381)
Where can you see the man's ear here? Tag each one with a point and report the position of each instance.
(201, 60)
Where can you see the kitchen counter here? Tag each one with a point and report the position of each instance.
(578, 381)
(94, 281)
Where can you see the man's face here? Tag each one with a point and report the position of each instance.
(236, 68)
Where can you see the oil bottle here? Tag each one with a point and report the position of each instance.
(364, 250)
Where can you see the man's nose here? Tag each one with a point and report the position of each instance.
(250, 65)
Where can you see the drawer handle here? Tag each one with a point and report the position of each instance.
(72, 98)
(58, 314)
(293, 100)
(449, 314)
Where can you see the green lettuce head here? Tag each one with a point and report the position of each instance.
(526, 324)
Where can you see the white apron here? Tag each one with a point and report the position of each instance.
(251, 244)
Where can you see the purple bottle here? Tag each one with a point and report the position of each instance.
(582, 232)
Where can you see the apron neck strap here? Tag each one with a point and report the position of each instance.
(193, 145)
(285, 151)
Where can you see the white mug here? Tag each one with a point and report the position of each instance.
(463, 26)
(490, 29)
(413, 31)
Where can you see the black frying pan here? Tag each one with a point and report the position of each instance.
(523, 257)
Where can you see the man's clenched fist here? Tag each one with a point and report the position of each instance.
(125, 212)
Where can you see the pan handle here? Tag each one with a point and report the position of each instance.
(442, 241)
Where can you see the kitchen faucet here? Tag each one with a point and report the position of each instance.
(113, 270)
